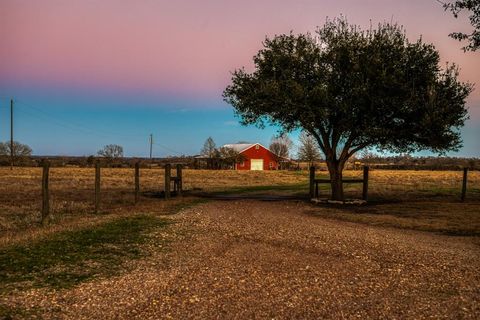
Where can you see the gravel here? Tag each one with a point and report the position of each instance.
(256, 260)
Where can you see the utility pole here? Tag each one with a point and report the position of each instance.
(11, 134)
(151, 144)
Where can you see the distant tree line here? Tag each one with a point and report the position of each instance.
(225, 158)
(407, 161)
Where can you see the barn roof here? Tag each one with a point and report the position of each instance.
(239, 147)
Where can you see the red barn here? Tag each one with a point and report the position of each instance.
(257, 157)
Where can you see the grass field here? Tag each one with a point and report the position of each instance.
(423, 200)
(72, 190)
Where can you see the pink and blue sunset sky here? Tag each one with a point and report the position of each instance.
(88, 73)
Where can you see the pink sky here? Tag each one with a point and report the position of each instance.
(185, 48)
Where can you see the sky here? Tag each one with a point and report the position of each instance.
(86, 73)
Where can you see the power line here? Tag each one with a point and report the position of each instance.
(168, 149)
(62, 124)
(81, 128)
(86, 130)
(75, 125)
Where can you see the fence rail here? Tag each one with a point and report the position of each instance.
(314, 183)
(177, 181)
(314, 190)
(31, 195)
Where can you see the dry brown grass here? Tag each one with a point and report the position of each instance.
(72, 192)
(420, 200)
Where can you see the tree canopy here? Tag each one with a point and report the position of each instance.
(111, 151)
(19, 150)
(281, 145)
(209, 148)
(308, 148)
(350, 89)
(230, 156)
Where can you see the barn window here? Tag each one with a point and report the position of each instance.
(257, 147)
(271, 165)
(242, 163)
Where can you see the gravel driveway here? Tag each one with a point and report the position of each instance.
(275, 260)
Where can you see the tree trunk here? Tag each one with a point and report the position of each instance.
(335, 169)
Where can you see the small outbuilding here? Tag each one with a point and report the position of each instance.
(255, 157)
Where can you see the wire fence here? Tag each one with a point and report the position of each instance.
(72, 190)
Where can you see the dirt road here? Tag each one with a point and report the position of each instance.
(277, 260)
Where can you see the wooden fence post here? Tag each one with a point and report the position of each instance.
(168, 171)
(312, 181)
(45, 192)
(137, 180)
(464, 183)
(97, 186)
(179, 180)
(365, 183)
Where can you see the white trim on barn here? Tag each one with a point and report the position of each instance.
(241, 147)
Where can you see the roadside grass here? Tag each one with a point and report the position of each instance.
(296, 188)
(183, 204)
(443, 217)
(65, 259)
(428, 207)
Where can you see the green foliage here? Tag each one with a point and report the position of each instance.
(70, 257)
(472, 6)
(362, 88)
(352, 89)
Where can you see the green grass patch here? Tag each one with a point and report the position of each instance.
(68, 258)
(185, 204)
(291, 188)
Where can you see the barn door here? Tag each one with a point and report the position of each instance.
(256, 164)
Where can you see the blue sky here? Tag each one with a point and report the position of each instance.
(83, 128)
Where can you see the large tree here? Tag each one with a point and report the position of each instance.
(352, 89)
(473, 8)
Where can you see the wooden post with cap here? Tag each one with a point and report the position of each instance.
(45, 192)
(365, 183)
(312, 181)
(97, 186)
(168, 171)
(464, 183)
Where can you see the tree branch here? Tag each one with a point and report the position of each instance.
(328, 148)
(318, 138)
(358, 148)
